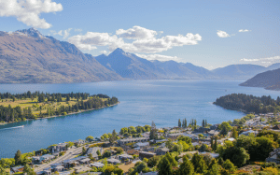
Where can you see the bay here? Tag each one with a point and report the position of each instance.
(141, 102)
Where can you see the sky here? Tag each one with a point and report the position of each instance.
(208, 33)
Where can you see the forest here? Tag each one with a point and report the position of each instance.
(20, 107)
(249, 103)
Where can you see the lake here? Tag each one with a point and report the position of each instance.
(142, 102)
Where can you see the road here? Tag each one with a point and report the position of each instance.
(68, 155)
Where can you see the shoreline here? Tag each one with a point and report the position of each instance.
(54, 116)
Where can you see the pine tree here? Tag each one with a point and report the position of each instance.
(234, 133)
(195, 124)
(186, 123)
(17, 157)
(213, 168)
(164, 167)
(211, 142)
(202, 123)
(216, 144)
(186, 168)
(179, 123)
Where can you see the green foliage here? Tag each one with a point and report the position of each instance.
(248, 103)
(89, 138)
(171, 159)
(164, 167)
(17, 157)
(186, 168)
(228, 165)
(7, 162)
(236, 155)
(153, 161)
(213, 168)
(198, 163)
(224, 128)
(107, 153)
(186, 139)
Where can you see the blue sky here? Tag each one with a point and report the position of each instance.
(205, 33)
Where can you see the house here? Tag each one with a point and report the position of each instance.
(93, 152)
(192, 136)
(132, 152)
(276, 127)
(162, 151)
(113, 161)
(131, 140)
(274, 156)
(58, 148)
(213, 133)
(36, 159)
(214, 127)
(58, 168)
(174, 135)
(125, 157)
(144, 154)
(201, 130)
(249, 132)
(46, 157)
(141, 144)
(85, 161)
(65, 173)
(72, 162)
(17, 169)
(213, 155)
(97, 165)
(79, 142)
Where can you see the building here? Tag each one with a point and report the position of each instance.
(85, 161)
(274, 156)
(132, 140)
(162, 151)
(58, 148)
(201, 130)
(144, 154)
(17, 169)
(46, 157)
(113, 161)
(125, 157)
(97, 165)
(93, 152)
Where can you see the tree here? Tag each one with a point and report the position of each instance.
(153, 132)
(216, 144)
(113, 137)
(186, 168)
(179, 123)
(28, 170)
(224, 128)
(84, 151)
(164, 167)
(198, 163)
(238, 156)
(262, 148)
(228, 165)
(98, 152)
(234, 133)
(214, 168)
(171, 160)
(89, 138)
(18, 157)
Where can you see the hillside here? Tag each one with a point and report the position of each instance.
(26, 56)
(268, 80)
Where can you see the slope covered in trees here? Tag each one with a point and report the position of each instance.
(249, 103)
(19, 107)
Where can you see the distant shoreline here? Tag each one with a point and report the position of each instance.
(54, 116)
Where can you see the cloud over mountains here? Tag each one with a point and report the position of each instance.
(28, 11)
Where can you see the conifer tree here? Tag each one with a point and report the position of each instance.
(18, 157)
(179, 123)
(186, 168)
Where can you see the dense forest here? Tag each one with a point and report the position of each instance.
(46, 104)
(249, 103)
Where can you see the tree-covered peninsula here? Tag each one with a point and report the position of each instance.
(249, 103)
(20, 107)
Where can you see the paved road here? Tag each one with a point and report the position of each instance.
(68, 155)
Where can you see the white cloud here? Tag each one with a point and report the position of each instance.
(136, 32)
(90, 40)
(147, 44)
(28, 11)
(222, 34)
(160, 57)
(244, 30)
(64, 33)
(78, 30)
(264, 61)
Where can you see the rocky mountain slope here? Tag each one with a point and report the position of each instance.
(26, 56)
(269, 80)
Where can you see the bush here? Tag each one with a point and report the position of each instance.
(107, 153)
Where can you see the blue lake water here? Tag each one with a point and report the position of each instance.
(142, 102)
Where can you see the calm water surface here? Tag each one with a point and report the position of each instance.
(142, 102)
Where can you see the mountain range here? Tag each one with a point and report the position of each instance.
(26, 56)
(268, 80)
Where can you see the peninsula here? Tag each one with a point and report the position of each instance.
(25, 106)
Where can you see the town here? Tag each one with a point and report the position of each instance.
(143, 149)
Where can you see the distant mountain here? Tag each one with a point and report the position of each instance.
(269, 80)
(239, 71)
(26, 56)
(130, 66)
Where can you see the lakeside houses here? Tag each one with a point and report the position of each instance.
(93, 152)
(132, 140)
